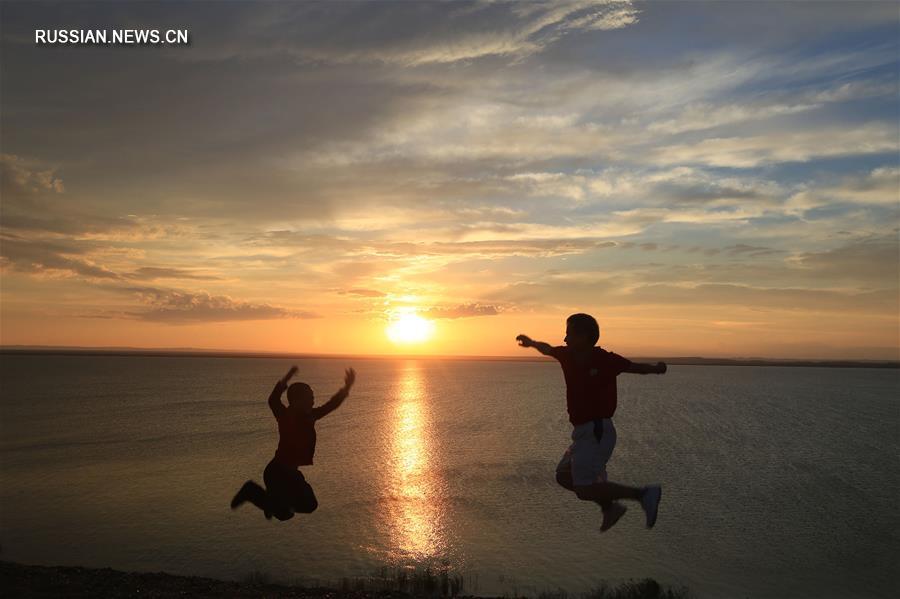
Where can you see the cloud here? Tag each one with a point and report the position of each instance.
(543, 244)
(698, 116)
(785, 146)
(791, 299)
(699, 188)
(157, 272)
(20, 175)
(180, 307)
(754, 251)
(366, 151)
(701, 116)
(47, 257)
(879, 187)
(409, 34)
(78, 256)
(462, 311)
(363, 292)
(874, 261)
(641, 218)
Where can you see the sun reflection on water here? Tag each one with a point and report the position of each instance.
(415, 516)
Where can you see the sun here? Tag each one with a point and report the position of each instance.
(409, 328)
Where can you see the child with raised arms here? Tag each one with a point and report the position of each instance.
(286, 491)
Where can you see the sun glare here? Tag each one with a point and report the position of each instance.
(410, 328)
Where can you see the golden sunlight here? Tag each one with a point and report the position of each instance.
(416, 518)
(409, 328)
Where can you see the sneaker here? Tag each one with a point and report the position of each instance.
(612, 515)
(650, 502)
(240, 498)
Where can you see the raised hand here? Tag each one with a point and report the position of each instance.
(525, 341)
(290, 373)
(349, 378)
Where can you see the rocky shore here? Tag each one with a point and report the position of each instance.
(18, 580)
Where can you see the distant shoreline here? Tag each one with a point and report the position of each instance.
(205, 353)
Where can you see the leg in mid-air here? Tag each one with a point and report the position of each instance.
(303, 499)
(288, 492)
(592, 446)
(278, 488)
(255, 494)
(612, 510)
(607, 492)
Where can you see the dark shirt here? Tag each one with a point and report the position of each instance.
(296, 439)
(297, 430)
(590, 385)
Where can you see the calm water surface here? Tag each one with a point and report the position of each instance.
(778, 482)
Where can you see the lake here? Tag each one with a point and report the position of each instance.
(778, 482)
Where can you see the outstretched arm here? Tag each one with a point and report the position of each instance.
(338, 398)
(638, 368)
(526, 341)
(275, 397)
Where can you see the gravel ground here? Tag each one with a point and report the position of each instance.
(18, 580)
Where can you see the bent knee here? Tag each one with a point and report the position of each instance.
(564, 479)
(286, 515)
(308, 507)
(583, 493)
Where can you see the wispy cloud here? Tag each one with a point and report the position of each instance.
(156, 272)
(462, 311)
(779, 147)
(45, 257)
(179, 307)
(699, 116)
(364, 292)
(413, 35)
(21, 175)
(880, 187)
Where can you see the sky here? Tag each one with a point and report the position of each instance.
(706, 178)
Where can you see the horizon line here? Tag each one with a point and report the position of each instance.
(244, 353)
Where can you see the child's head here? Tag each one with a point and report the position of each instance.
(300, 396)
(582, 331)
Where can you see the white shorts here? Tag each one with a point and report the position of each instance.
(592, 446)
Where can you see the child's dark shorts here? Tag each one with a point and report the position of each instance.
(288, 491)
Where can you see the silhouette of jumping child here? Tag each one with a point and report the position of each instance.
(590, 374)
(287, 491)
